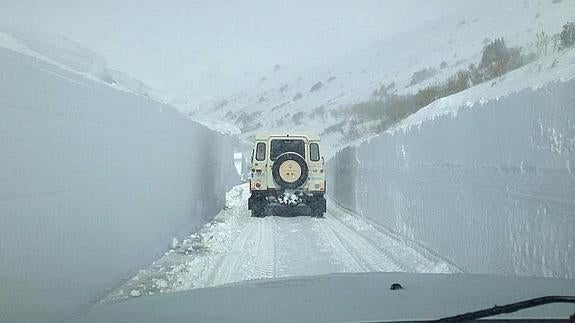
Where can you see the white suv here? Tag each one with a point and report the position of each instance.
(287, 176)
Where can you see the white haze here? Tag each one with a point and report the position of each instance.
(188, 46)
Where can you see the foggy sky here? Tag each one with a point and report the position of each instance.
(171, 44)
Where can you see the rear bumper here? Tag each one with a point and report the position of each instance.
(275, 208)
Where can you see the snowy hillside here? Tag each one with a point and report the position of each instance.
(288, 99)
(68, 55)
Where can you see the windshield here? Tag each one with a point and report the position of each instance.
(424, 143)
(280, 146)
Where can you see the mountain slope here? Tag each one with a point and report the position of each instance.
(316, 99)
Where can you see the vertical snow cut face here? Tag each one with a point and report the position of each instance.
(490, 188)
(94, 183)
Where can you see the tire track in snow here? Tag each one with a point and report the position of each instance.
(301, 250)
(252, 255)
(236, 262)
(264, 253)
(236, 247)
(369, 256)
(379, 256)
(339, 251)
(407, 257)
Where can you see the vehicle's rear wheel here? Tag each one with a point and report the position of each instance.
(258, 213)
(318, 207)
(256, 203)
(316, 212)
(258, 209)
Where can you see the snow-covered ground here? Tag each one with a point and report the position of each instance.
(237, 247)
(68, 55)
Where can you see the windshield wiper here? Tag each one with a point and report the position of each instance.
(504, 309)
(509, 308)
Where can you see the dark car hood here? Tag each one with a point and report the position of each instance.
(340, 297)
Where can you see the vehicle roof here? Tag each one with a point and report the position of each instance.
(266, 136)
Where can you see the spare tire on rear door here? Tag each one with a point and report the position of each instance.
(290, 170)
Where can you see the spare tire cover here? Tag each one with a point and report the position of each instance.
(290, 170)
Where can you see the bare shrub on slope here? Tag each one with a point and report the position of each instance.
(389, 108)
(422, 75)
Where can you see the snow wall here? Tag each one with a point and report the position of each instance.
(94, 183)
(490, 188)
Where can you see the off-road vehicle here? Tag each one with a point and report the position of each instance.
(287, 176)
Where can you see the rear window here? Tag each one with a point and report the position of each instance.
(280, 146)
(261, 151)
(314, 152)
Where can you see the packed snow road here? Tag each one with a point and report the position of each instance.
(237, 247)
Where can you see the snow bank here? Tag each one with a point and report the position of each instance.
(94, 183)
(68, 55)
(491, 187)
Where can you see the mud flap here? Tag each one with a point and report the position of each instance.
(251, 202)
(256, 201)
(321, 204)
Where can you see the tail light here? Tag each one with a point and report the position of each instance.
(256, 185)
